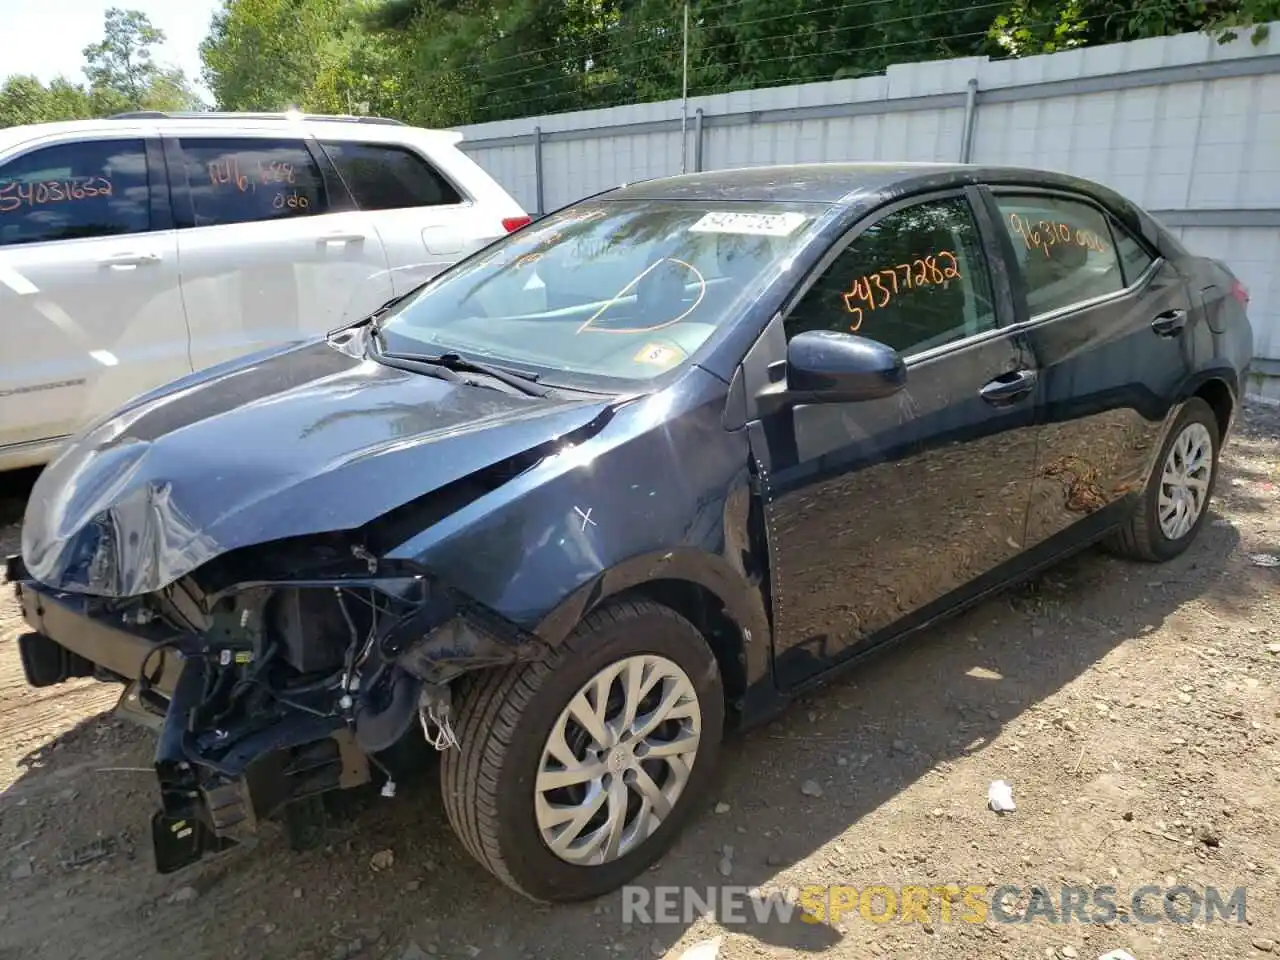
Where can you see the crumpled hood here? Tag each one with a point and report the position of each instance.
(303, 441)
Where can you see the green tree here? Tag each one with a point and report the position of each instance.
(24, 99)
(309, 54)
(474, 60)
(1046, 26)
(122, 71)
(446, 62)
(121, 61)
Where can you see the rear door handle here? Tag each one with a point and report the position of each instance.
(1009, 387)
(342, 238)
(1169, 323)
(129, 259)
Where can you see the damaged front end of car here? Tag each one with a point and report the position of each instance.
(272, 675)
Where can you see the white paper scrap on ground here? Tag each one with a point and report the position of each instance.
(706, 950)
(1117, 954)
(1000, 796)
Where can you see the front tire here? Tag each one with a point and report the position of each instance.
(576, 773)
(1174, 505)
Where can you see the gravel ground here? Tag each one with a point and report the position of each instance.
(1133, 709)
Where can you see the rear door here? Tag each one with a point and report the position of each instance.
(271, 249)
(1113, 329)
(425, 220)
(89, 294)
(881, 513)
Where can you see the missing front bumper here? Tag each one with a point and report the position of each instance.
(211, 798)
(237, 744)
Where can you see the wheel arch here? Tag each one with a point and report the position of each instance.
(719, 600)
(1221, 395)
(1218, 386)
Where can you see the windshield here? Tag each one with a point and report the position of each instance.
(623, 290)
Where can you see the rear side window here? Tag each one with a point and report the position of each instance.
(1134, 258)
(389, 178)
(1063, 248)
(914, 280)
(72, 191)
(248, 180)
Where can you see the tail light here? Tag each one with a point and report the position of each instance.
(512, 224)
(1240, 293)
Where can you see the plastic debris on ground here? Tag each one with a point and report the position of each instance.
(706, 950)
(98, 849)
(1000, 797)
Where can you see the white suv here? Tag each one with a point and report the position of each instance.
(139, 248)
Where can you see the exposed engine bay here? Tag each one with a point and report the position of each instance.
(266, 693)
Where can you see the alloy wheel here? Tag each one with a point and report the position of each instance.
(617, 760)
(1184, 481)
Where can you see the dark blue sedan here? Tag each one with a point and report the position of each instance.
(633, 476)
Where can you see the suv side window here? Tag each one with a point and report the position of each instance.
(1063, 248)
(71, 191)
(382, 177)
(247, 180)
(913, 280)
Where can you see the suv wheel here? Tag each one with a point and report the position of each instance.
(1174, 506)
(576, 773)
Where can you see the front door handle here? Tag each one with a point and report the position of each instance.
(1009, 387)
(129, 259)
(1169, 323)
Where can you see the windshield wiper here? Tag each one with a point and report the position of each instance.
(452, 362)
(371, 318)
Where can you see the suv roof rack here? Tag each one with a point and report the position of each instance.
(224, 115)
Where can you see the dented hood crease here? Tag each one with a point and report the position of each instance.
(303, 442)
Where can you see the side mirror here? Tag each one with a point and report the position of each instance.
(828, 367)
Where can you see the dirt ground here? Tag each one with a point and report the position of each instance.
(1134, 709)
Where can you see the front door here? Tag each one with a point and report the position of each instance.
(271, 250)
(89, 293)
(875, 511)
(1113, 331)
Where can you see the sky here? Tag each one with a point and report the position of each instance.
(46, 37)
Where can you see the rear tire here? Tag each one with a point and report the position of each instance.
(498, 784)
(1175, 503)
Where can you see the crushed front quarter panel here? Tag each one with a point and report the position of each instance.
(307, 441)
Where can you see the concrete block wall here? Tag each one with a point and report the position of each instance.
(1185, 126)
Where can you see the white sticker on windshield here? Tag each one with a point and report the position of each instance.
(755, 224)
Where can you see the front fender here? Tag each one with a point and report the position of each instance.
(663, 492)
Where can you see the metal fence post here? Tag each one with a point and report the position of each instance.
(537, 166)
(697, 141)
(970, 116)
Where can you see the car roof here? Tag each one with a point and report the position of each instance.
(837, 183)
(367, 129)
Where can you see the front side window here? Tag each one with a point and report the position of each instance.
(620, 290)
(389, 178)
(1063, 250)
(244, 180)
(914, 280)
(72, 191)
